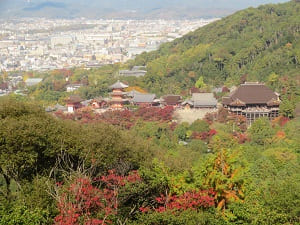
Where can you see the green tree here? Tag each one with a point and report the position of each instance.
(287, 108)
(273, 79)
(199, 126)
(200, 83)
(261, 131)
(181, 131)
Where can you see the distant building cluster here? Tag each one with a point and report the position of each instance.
(44, 44)
(251, 100)
(120, 99)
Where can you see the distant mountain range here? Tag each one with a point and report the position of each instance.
(135, 9)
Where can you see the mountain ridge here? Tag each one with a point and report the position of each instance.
(254, 42)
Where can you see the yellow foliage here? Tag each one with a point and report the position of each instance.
(136, 88)
(221, 204)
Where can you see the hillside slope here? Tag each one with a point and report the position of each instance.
(255, 41)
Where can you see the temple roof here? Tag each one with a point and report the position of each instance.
(118, 85)
(143, 98)
(204, 99)
(73, 99)
(251, 93)
(172, 99)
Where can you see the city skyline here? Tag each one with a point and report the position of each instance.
(46, 44)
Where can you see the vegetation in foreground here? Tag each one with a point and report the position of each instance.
(60, 171)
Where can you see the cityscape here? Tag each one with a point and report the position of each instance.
(46, 44)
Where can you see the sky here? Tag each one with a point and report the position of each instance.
(78, 7)
(229, 3)
(238, 4)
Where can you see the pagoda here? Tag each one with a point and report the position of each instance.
(118, 95)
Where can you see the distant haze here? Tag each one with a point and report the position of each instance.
(136, 9)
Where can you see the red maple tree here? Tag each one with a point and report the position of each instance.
(83, 203)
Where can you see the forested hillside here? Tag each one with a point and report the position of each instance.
(256, 42)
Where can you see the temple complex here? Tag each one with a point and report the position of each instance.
(253, 100)
(118, 96)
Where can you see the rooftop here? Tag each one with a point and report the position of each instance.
(143, 98)
(73, 99)
(204, 99)
(251, 93)
(118, 85)
(172, 99)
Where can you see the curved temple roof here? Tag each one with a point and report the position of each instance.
(118, 85)
(252, 93)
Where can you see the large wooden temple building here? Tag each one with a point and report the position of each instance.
(253, 100)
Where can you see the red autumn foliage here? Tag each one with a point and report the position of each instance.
(220, 116)
(82, 202)
(204, 136)
(239, 121)
(212, 132)
(81, 199)
(200, 135)
(155, 113)
(281, 120)
(241, 137)
(193, 200)
(123, 118)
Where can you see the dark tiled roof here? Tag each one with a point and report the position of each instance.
(74, 99)
(226, 100)
(172, 99)
(143, 98)
(251, 93)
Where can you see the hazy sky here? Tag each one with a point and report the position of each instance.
(40, 8)
(153, 3)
